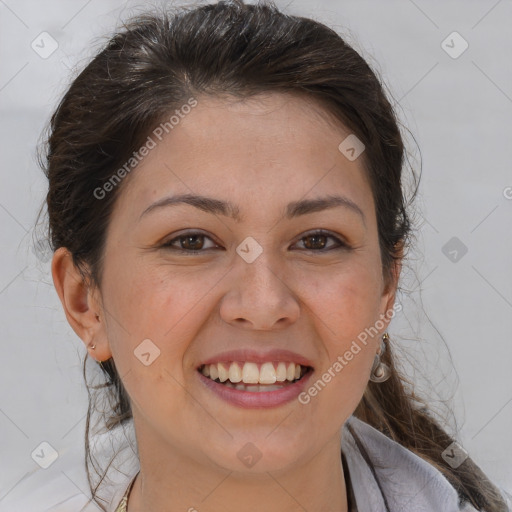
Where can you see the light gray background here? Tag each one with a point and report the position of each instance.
(456, 333)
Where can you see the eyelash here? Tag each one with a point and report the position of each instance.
(191, 252)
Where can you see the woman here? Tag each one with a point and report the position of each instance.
(228, 220)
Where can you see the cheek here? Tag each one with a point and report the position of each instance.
(149, 332)
(146, 312)
(346, 306)
(150, 301)
(345, 303)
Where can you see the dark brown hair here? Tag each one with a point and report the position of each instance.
(151, 67)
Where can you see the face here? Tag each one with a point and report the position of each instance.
(258, 283)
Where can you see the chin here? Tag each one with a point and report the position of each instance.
(250, 455)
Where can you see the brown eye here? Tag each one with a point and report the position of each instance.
(318, 241)
(191, 243)
(315, 241)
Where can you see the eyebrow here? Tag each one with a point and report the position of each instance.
(228, 209)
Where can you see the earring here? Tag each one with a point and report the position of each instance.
(92, 347)
(380, 371)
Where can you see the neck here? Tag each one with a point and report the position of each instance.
(169, 481)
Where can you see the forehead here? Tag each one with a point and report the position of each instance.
(273, 149)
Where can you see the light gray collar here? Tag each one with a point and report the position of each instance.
(397, 480)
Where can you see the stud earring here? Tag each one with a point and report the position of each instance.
(380, 371)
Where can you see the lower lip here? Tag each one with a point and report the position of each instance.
(257, 399)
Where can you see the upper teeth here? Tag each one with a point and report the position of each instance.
(250, 373)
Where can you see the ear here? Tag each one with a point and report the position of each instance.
(391, 283)
(81, 304)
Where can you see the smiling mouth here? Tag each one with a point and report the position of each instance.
(256, 377)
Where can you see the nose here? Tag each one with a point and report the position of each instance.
(260, 296)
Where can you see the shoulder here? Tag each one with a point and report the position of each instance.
(386, 476)
(113, 498)
(80, 503)
(76, 503)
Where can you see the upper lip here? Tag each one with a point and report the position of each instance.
(250, 355)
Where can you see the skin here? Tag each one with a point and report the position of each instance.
(261, 154)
